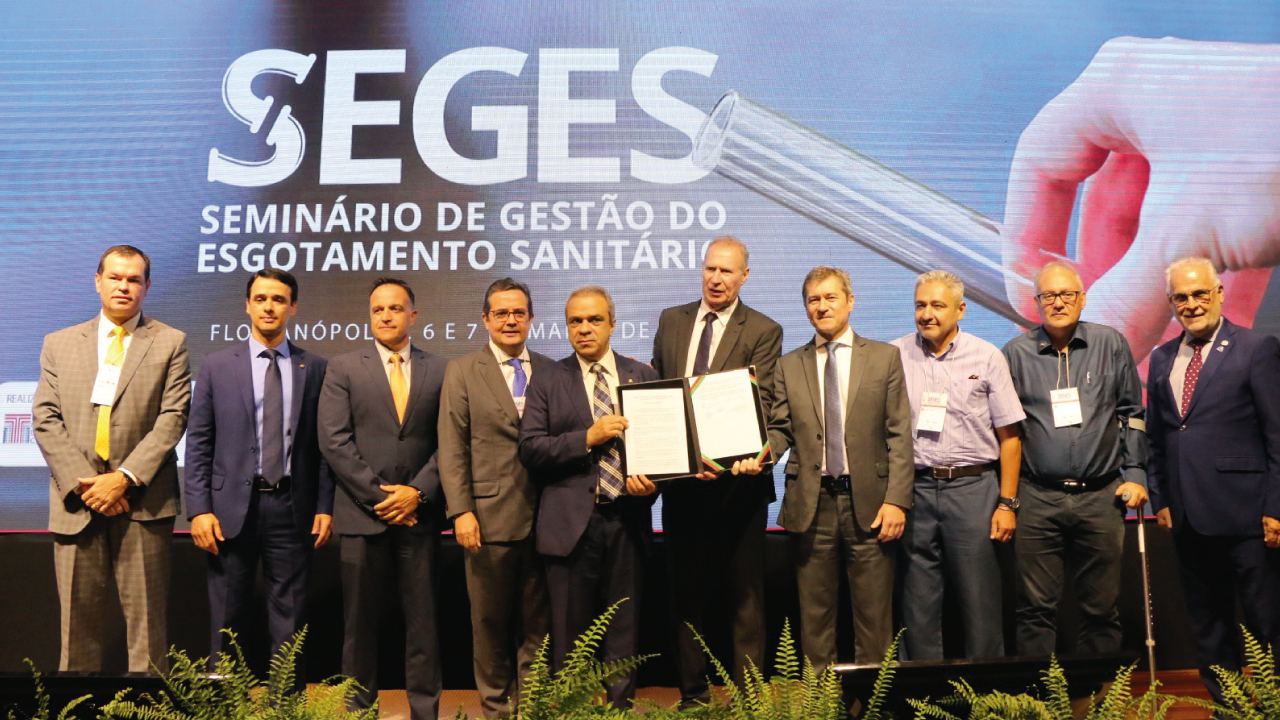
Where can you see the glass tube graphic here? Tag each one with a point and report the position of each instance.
(855, 196)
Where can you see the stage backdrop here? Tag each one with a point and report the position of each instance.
(567, 143)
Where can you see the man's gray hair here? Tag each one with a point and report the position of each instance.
(1190, 263)
(1058, 264)
(598, 291)
(736, 244)
(947, 279)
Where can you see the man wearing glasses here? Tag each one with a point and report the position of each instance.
(1084, 447)
(490, 497)
(1214, 400)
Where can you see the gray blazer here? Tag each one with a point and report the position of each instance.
(366, 444)
(877, 432)
(147, 420)
(479, 433)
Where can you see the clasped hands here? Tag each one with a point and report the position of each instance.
(105, 493)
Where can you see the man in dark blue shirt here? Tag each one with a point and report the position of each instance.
(1084, 446)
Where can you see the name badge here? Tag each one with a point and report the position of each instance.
(1066, 407)
(104, 387)
(933, 412)
(519, 405)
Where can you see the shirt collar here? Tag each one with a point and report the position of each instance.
(105, 325)
(256, 348)
(846, 339)
(722, 315)
(385, 352)
(502, 355)
(1079, 339)
(608, 361)
(955, 341)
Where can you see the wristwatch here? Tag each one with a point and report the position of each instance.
(1009, 502)
(422, 498)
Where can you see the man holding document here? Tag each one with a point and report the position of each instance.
(593, 527)
(840, 404)
(715, 524)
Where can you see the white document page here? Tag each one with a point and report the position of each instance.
(656, 440)
(725, 407)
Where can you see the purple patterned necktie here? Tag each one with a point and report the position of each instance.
(611, 483)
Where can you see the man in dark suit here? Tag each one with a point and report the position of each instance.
(1214, 426)
(593, 525)
(266, 503)
(491, 499)
(378, 415)
(714, 525)
(848, 425)
(110, 407)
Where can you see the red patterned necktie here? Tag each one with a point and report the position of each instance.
(1193, 374)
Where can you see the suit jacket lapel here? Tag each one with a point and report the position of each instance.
(683, 331)
(418, 379)
(243, 369)
(138, 346)
(857, 364)
(88, 357)
(578, 391)
(1158, 383)
(810, 362)
(732, 331)
(491, 371)
(298, 361)
(1213, 356)
(373, 364)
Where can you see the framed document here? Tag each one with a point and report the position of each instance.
(660, 442)
(730, 422)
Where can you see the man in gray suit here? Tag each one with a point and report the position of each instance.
(377, 422)
(840, 404)
(490, 498)
(110, 407)
(714, 525)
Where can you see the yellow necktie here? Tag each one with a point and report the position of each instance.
(115, 356)
(399, 388)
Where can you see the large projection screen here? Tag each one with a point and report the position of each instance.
(454, 143)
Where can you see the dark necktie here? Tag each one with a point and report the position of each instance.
(519, 382)
(272, 420)
(702, 361)
(833, 413)
(611, 483)
(1193, 374)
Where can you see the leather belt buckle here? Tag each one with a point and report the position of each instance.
(261, 485)
(946, 472)
(1074, 486)
(838, 483)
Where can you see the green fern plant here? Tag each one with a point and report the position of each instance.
(42, 700)
(233, 692)
(577, 691)
(1254, 695)
(798, 692)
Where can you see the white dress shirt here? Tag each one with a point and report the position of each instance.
(844, 357)
(504, 362)
(718, 325)
(105, 328)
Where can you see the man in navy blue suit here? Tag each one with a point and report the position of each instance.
(255, 485)
(1213, 397)
(593, 527)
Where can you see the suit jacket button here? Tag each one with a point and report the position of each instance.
(248, 482)
(817, 466)
(819, 436)
(1184, 427)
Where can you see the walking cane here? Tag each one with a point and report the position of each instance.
(1146, 586)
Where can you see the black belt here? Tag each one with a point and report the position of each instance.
(838, 483)
(1075, 486)
(951, 472)
(261, 485)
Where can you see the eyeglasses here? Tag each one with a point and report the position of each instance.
(502, 315)
(1199, 297)
(1049, 299)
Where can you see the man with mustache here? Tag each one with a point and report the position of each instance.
(593, 527)
(1213, 401)
(1084, 447)
(965, 415)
